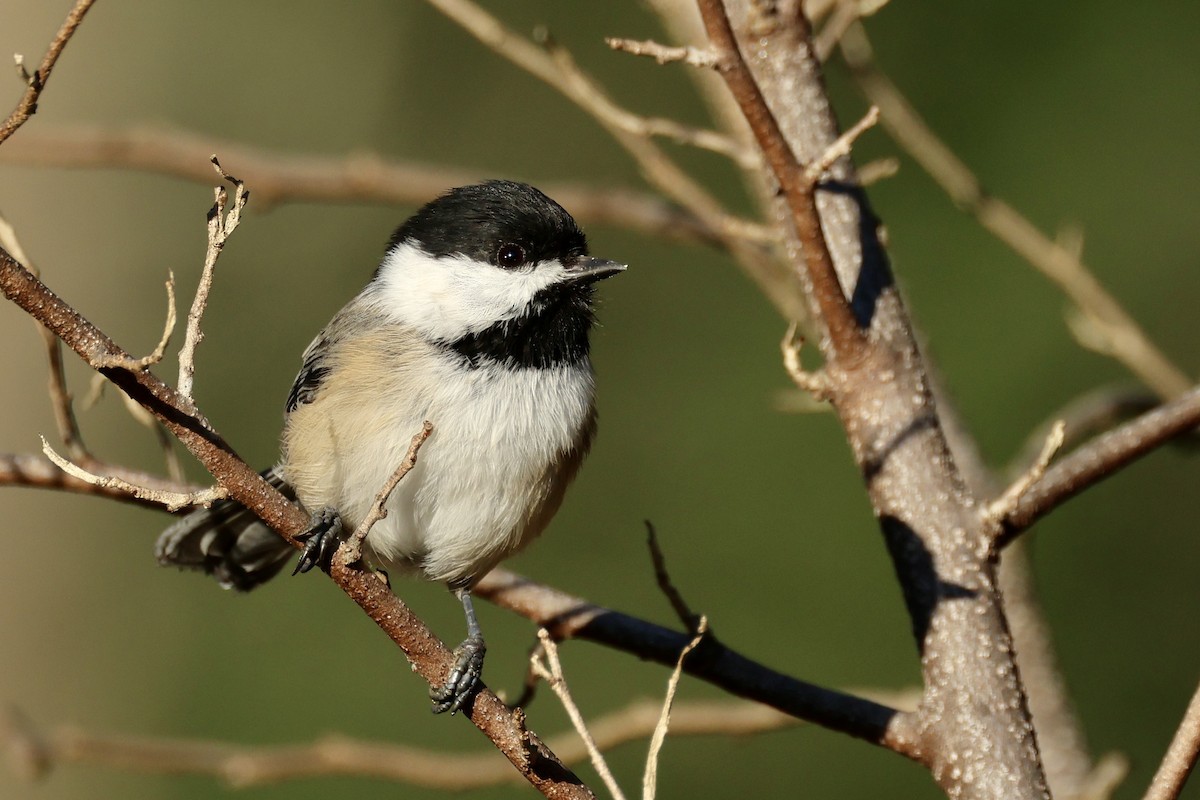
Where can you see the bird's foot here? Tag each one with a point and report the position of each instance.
(321, 539)
(464, 679)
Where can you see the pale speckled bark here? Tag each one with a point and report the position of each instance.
(973, 728)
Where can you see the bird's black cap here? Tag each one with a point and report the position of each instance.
(476, 221)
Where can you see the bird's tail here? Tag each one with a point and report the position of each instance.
(228, 542)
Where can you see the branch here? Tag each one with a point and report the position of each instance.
(172, 501)
(650, 776)
(34, 753)
(1102, 458)
(1181, 756)
(428, 655)
(1126, 341)
(554, 66)
(846, 338)
(360, 178)
(569, 617)
(35, 83)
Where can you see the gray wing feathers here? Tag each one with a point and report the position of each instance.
(228, 542)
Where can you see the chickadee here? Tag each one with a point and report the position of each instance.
(477, 320)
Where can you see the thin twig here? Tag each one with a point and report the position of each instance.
(37, 81)
(1126, 340)
(60, 397)
(1180, 758)
(750, 243)
(550, 670)
(816, 384)
(156, 355)
(221, 225)
(172, 501)
(664, 54)
(350, 551)
(842, 145)
(1003, 505)
(650, 776)
(689, 618)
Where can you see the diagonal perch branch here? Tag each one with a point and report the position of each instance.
(428, 655)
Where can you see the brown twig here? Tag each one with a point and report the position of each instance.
(350, 551)
(38, 472)
(689, 618)
(37, 81)
(429, 656)
(1177, 764)
(846, 337)
(1126, 341)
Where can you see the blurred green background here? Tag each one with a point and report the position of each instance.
(1078, 112)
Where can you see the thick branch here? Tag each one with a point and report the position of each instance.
(428, 655)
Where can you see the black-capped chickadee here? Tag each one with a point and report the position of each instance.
(477, 320)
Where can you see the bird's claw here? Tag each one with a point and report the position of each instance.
(464, 679)
(321, 539)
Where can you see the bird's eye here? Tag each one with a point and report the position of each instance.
(511, 256)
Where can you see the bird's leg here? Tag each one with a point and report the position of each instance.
(464, 679)
(321, 539)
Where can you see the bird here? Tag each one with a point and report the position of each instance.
(477, 320)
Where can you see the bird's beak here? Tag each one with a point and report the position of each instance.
(589, 270)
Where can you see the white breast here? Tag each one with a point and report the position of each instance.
(504, 444)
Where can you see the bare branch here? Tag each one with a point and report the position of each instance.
(650, 776)
(664, 54)
(1103, 457)
(358, 178)
(350, 551)
(156, 355)
(221, 225)
(569, 617)
(33, 752)
(37, 81)
(551, 672)
(428, 655)
(1126, 341)
(1180, 758)
(172, 501)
